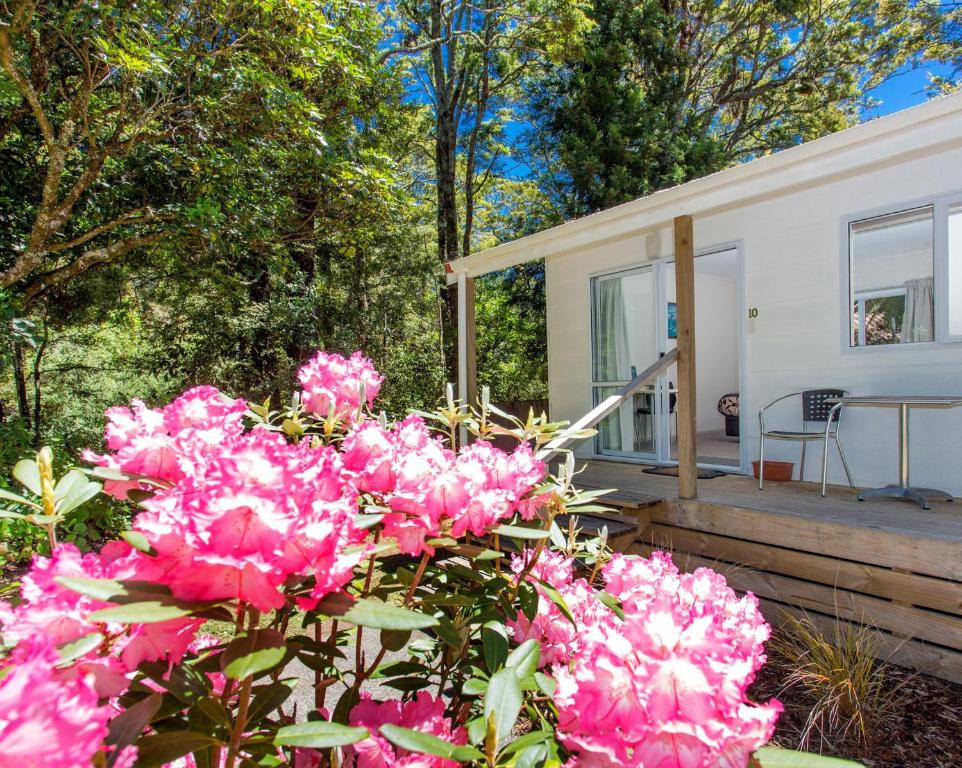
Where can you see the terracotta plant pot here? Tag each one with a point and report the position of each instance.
(776, 471)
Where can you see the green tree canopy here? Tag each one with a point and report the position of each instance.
(667, 91)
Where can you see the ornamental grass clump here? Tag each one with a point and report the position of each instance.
(836, 676)
(276, 522)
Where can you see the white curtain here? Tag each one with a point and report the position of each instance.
(612, 355)
(918, 320)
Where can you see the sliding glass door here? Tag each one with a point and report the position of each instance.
(624, 341)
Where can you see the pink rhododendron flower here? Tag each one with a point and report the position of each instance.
(424, 713)
(333, 382)
(59, 615)
(560, 640)
(49, 717)
(431, 490)
(254, 512)
(164, 444)
(666, 685)
(496, 481)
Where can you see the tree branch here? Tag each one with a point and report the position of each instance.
(86, 261)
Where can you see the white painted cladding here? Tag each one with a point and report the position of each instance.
(794, 260)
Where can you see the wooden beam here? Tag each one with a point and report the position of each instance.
(686, 413)
(471, 351)
(929, 555)
(467, 345)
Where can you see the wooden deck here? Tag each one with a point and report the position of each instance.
(886, 563)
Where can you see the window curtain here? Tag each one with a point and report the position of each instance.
(611, 363)
(918, 321)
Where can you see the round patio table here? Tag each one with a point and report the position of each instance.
(904, 490)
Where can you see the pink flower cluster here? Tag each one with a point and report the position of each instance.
(430, 490)
(251, 514)
(336, 384)
(243, 514)
(164, 444)
(560, 639)
(424, 713)
(49, 717)
(58, 615)
(665, 686)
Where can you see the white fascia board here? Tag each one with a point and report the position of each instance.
(929, 127)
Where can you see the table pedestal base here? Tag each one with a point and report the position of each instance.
(916, 495)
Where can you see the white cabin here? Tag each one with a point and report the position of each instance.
(836, 263)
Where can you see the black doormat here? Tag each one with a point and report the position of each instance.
(703, 474)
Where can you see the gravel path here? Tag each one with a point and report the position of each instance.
(302, 701)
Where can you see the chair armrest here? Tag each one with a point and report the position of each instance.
(761, 413)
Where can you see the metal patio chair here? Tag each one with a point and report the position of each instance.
(814, 410)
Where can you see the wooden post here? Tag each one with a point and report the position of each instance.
(685, 299)
(471, 387)
(467, 356)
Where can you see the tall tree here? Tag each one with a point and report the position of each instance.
(225, 175)
(467, 59)
(668, 90)
(96, 96)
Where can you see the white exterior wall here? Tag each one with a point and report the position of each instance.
(794, 259)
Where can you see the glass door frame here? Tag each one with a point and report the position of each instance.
(658, 328)
(662, 417)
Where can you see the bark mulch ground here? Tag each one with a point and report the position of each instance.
(922, 730)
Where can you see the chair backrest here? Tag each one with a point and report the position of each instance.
(815, 407)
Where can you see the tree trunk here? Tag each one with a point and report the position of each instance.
(37, 412)
(447, 223)
(20, 383)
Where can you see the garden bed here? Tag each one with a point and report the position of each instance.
(924, 727)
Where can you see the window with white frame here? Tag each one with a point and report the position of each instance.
(954, 250)
(892, 291)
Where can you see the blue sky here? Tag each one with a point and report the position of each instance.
(904, 90)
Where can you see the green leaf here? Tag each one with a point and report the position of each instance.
(160, 748)
(772, 757)
(428, 744)
(10, 496)
(474, 686)
(488, 554)
(319, 734)
(73, 489)
(27, 472)
(213, 710)
(361, 522)
(99, 589)
(138, 541)
(408, 684)
(374, 613)
(395, 640)
(449, 633)
(524, 659)
(612, 602)
(522, 742)
(546, 684)
(528, 597)
(147, 612)
(476, 730)
(79, 647)
(518, 532)
(502, 704)
(124, 729)
(267, 698)
(533, 756)
(293, 428)
(555, 597)
(252, 653)
(495, 647)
